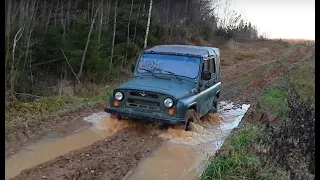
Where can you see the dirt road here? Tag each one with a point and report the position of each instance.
(247, 70)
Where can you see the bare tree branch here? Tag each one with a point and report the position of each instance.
(88, 40)
(70, 66)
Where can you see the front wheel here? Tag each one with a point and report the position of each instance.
(190, 116)
(215, 106)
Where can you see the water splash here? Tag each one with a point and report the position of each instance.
(103, 122)
(187, 153)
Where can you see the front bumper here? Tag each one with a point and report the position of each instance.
(144, 117)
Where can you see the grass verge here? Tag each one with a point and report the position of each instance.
(302, 76)
(274, 100)
(238, 159)
(246, 153)
(260, 71)
(49, 105)
(244, 80)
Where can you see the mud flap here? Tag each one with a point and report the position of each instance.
(191, 116)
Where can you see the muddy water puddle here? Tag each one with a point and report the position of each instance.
(56, 144)
(181, 157)
(185, 155)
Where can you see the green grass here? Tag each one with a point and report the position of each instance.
(237, 161)
(275, 101)
(261, 71)
(286, 44)
(233, 160)
(303, 78)
(52, 104)
(301, 44)
(244, 80)
(240, 55)
(285, 59)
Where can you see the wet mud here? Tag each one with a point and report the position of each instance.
(183, 151)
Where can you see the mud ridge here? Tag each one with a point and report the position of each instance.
(64, 122)
(106, 159)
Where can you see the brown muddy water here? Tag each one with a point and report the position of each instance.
(186, 154)
(183, 156)
(54, 144)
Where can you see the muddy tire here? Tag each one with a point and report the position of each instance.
(215, 106)
(191, 116)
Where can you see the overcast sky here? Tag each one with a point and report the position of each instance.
(280, 18)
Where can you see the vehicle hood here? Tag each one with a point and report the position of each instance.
(173, 87)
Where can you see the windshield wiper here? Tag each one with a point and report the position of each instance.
(177, 76)
(149, 71)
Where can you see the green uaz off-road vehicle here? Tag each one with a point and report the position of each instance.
(172, 84)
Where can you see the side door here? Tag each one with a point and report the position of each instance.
(204, 85)
(212, 90)
(214, 71)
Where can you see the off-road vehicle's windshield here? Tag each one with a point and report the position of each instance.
(169, 64)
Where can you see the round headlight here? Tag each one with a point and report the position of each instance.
(118, 96)
(168, 102)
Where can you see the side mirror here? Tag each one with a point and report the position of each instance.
(206, 75)
(132, 68)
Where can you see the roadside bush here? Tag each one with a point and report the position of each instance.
(293, 143)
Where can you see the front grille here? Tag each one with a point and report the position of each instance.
(143, 103)
(144, 94)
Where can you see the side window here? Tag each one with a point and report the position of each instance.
(206, 65)
(213, 65)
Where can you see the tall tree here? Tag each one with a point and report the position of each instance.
(148, 25)
(135, 26)
(88, 40)
(114, 32)
(128, 29)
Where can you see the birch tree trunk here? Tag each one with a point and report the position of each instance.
(68, 16)
(21, 14)
(63, 21)
(108, 14)
(167, 21)
(114, 32)
(8, 29)
(91, 17)
(101, 22)
(48, 21)
(172, 24)
(135, 26)
(185, 11)
(88, 40)
(30, 29)
(128, 31)
(56, 14)
(44, 10)
(148, 25)
(88, 12)
(12, 73)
